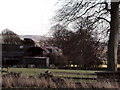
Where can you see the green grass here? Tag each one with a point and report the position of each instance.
(56, 72)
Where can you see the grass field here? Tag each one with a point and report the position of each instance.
(56, 72)
(10, 82)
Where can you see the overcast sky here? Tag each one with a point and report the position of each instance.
(27, 17)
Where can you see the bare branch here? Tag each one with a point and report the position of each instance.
(93, 7)
(103, 19)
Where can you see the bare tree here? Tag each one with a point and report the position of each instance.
(9, 37)
(78, 11)
(98, 12)
(113, 38)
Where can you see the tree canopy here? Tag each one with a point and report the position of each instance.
(101, 15)
(9, 37)
(77, 46)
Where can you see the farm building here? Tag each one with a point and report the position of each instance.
(14, 55)
(24, 55)
(27, 54)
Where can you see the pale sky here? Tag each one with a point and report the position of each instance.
(27, 17)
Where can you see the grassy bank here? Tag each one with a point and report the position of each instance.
(52, 82)
(57, 81)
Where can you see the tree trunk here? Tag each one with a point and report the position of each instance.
(113, 38)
